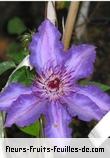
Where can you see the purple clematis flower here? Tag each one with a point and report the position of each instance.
(55, 92)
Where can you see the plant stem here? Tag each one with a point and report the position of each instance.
(2, 130)
(70, 23)
(82, 18)
(41, 133)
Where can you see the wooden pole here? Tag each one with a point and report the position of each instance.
(70, 23)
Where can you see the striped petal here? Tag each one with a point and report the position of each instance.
(11, 93)
(46, 46)
(25, 111)
(58, 120)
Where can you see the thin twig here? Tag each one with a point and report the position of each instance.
(88, 19)
(70, 23)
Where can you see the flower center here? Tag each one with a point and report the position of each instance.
(54, 84)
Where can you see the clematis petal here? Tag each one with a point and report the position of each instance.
(45, 46)
(81, 60)
(11, 93)
(58, 120)
(96, 95)
(83, 107)
(25, 111)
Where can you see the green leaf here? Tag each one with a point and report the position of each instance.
(32, 129)
(6, 65)
(102, 86)
(16, 53)
(23, 75)
(16, 26)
